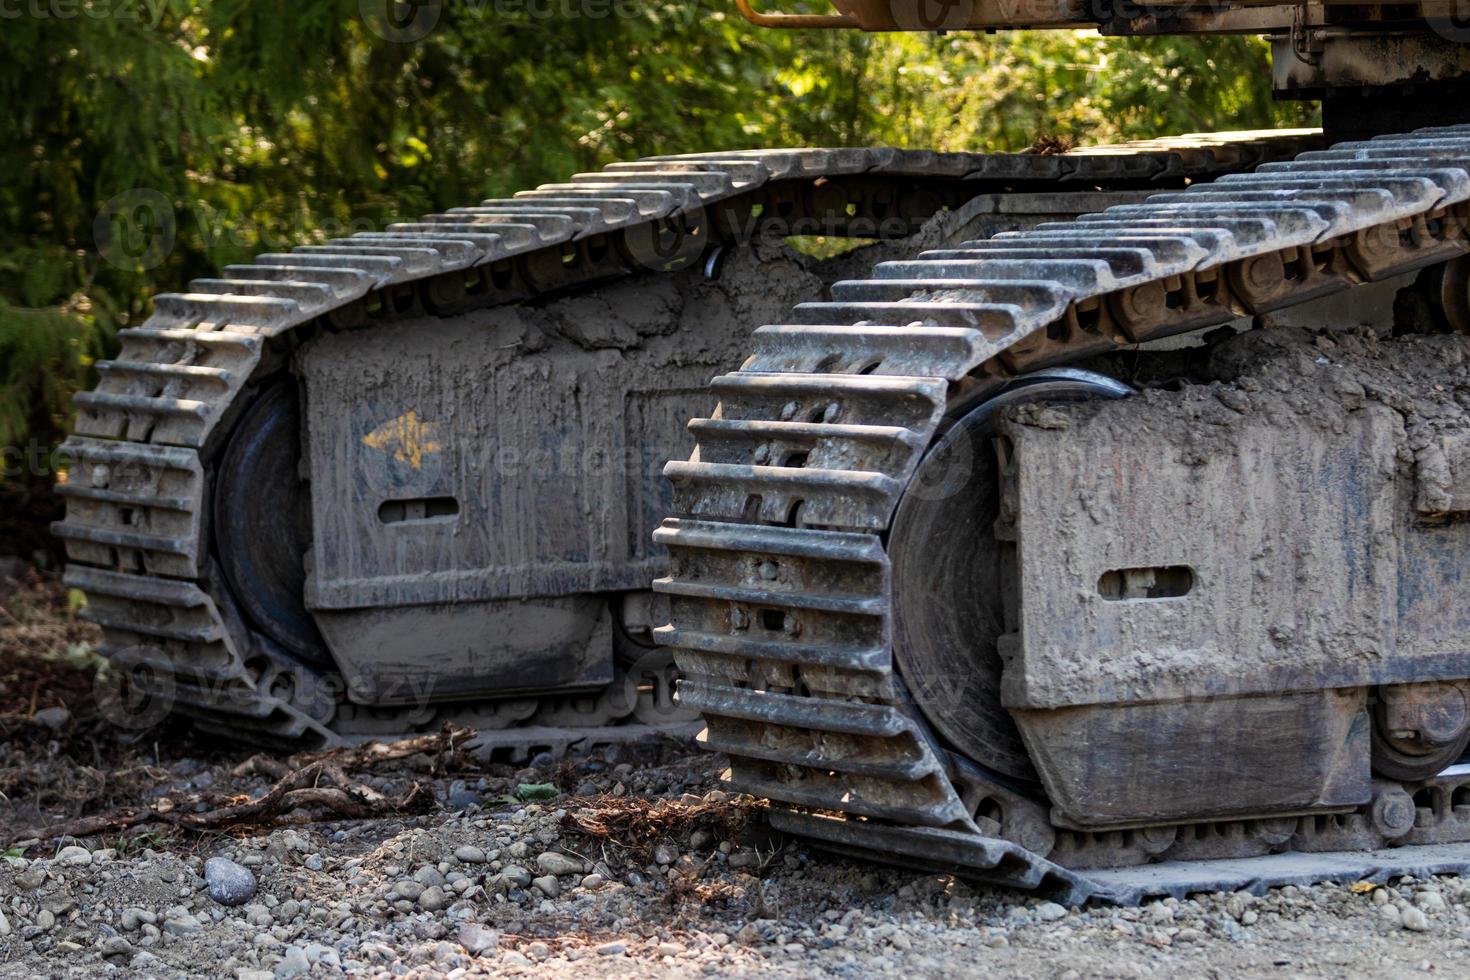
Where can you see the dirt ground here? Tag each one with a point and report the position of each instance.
(419, 860)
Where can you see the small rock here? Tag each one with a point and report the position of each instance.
(228, 882)
(313, 862)
(593, 881)
(665, 854)
(611, 949)
(1414, 919)
(463, 799)
(75, 856)
(409, 890)
(469, 854)
(1430, 901)
(46, 920)
(53, 718)
(1050, 912)
(552, 863)
(293, 964)
(428, 875)
(744, 859)
(547, 885)
(538, 951)
(31, 878)
(477, 939)
(517, 876)
(432, 899)
(182, 925)
(701, 840)
(512, 958)
(132, 918)
(115, 946)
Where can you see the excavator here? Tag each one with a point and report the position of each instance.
(1097, 529)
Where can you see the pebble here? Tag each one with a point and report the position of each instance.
(552, 863)
(53, 718)
(432, 899)
(1050, 912)
(547, 885)
(408, 890)
(1414, 919)
(469, 854)
(74, 856)
(611, 949)
(228, 882)
(593, 881)
(664, 854)
(294, 963)
(1430, 901)
(182, 925)
(477, 938)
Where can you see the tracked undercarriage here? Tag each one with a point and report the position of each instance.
(904, 672)
(940, 614)
(371, 485)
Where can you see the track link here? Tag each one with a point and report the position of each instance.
(146, 439)
(780, 585)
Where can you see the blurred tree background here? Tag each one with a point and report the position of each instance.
(257, 124)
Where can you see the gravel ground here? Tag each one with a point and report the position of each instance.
(630, 864)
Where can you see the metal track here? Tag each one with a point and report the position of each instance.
(146, 439)
(780, 584)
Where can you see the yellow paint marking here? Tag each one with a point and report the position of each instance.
(408, 438)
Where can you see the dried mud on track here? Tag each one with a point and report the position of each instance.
(633, 865)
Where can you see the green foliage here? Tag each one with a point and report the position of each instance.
(265, 123)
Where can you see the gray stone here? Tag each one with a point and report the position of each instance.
(612, 949)
(432, 899)
(547, 885)
(410, 890)
(1414, 919)
(469, 854)
(293, 964)
(1050, 912)
(53, 718)
(74, 856)
(1430, 901)
(665, 854)
(477, 938)
(428, 875)
(228, 882)
(552, 863)
(516, 875)
(182, 925)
